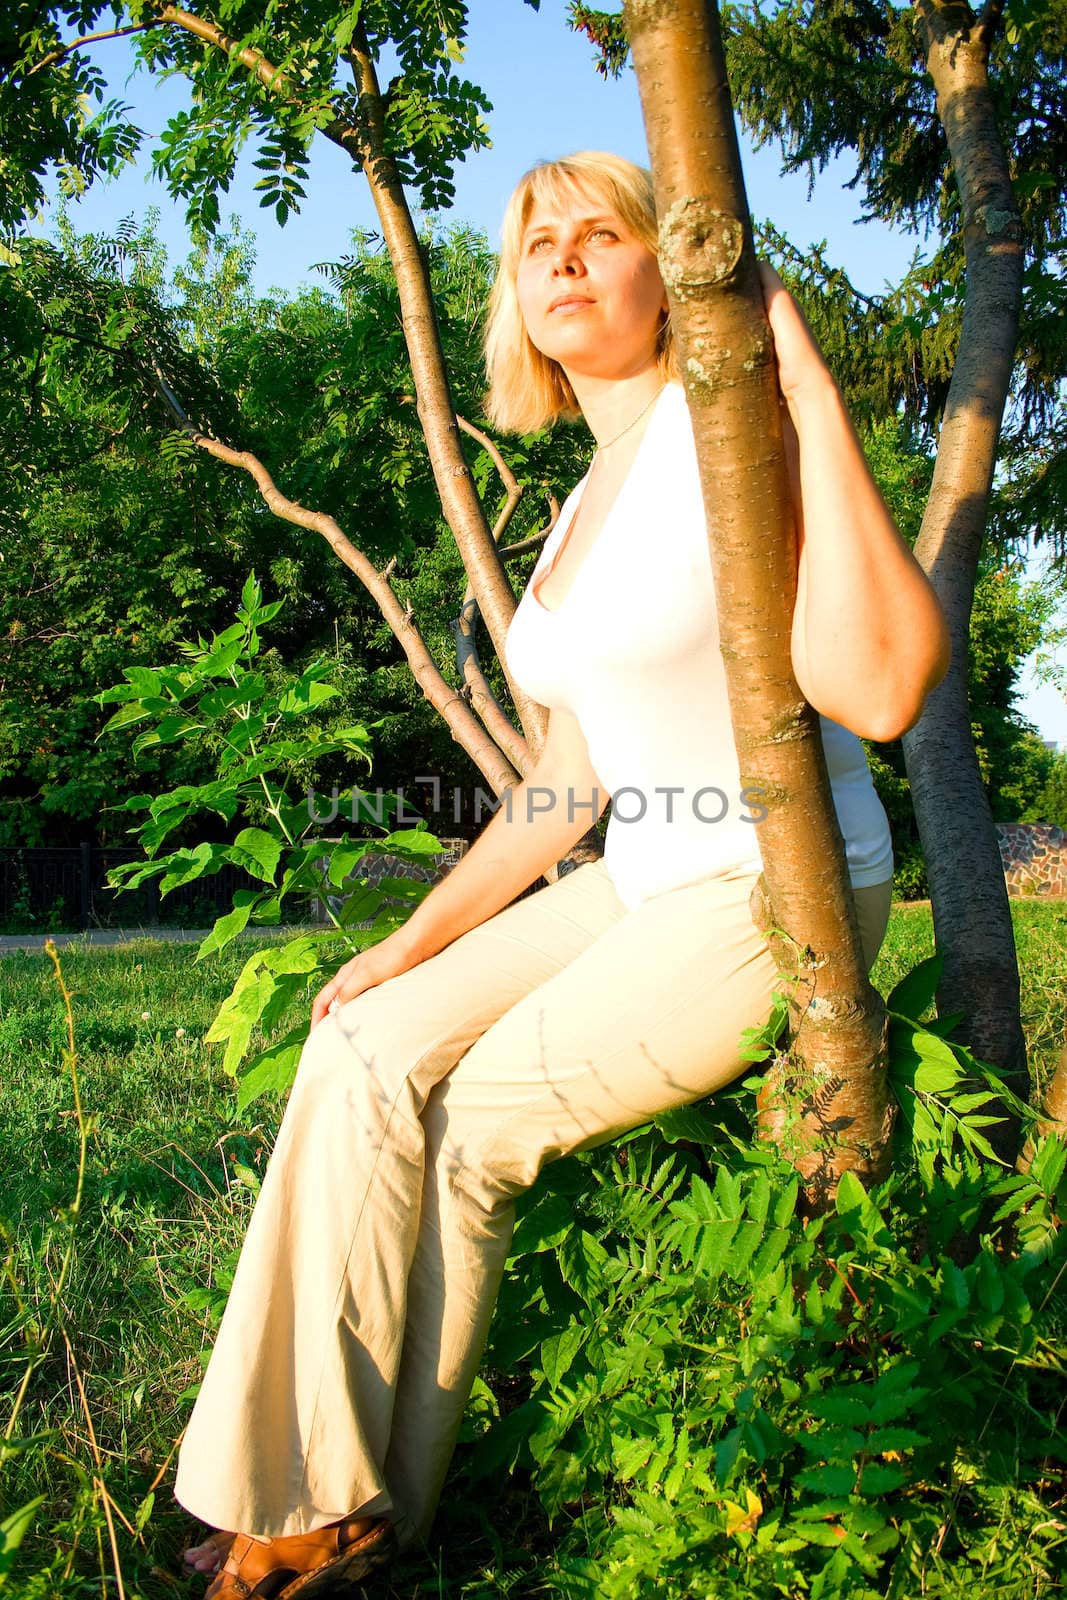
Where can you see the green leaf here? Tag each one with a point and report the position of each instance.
(916, 991)
(251, 594)
(693, 1122)
(273, 1070)
(845, 1407)
(920, 1059)
(827, 1479)
(13, 1530)
(416, 840)
(257, 851)
(343, 860)
(229, 926)
(582, 1260)
(305, 695)
(879, 1478)
(559, 1352)
(543, 1227)
(856, 1208)
(203, 860)
(1047, 1166)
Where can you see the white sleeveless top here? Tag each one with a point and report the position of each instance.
(633, 652)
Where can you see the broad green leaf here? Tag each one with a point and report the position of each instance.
(305, 696)
(229, 926)
(202, 860)
(251, 594)
(827, 1479)
(693, 1123)
(916, 991)
(543, 1227)
(559, 1352)
(257, 851)
(343, 860)
(415, 840)
(273, 1070)
(877, 1478)
(582, 1259)
(856, 1208)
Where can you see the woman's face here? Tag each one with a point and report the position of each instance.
(590, 293)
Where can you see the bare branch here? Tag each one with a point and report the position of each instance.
(532, 540)
(468, 664)
(365, 144)
(511, 483)
(451, 706)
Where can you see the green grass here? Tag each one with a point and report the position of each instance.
(168, 1191)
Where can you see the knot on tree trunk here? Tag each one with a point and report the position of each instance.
(699, 246)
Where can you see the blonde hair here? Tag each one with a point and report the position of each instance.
(528, 390)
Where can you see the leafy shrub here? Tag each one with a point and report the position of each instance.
(728, 1397)
(262, 736)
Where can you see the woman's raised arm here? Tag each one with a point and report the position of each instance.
(869, 637)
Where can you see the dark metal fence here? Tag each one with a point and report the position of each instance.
(56, 887)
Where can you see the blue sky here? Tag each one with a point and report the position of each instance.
(547, 101)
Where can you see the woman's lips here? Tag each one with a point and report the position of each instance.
(572, 303)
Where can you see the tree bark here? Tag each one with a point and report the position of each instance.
(459, 498)
(972, 918)
(833, 1076)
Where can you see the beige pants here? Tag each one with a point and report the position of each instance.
(362, 1298)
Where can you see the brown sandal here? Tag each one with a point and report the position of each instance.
(250, 1573)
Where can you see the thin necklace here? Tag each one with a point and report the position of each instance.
(633, 424)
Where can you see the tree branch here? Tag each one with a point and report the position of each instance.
(451, 706)
(990, 21)
(89, 38)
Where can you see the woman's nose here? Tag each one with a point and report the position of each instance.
(567, 261)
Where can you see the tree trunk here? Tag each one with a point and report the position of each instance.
(972, 919)
(834, 1075)
(459, 498)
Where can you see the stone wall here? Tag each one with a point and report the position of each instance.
(1034, 856)
(374, 867)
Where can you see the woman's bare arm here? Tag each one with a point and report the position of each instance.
(869, 636)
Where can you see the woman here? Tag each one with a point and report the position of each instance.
(487, 1036)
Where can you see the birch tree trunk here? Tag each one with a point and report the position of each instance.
(833, 1076)
(972, 919)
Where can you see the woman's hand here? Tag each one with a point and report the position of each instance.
(371, 967)
(800, 362)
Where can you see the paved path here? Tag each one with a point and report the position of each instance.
(117, 936)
